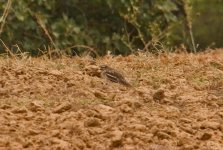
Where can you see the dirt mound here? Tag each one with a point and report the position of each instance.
(175, 102)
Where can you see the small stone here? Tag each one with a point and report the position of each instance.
(117, 138)
(92, 122)
(185, 120)
(96, 131)
(5, 106)
(100, 95)
(206, 136)
(61, 144)
(55, 72)
(187, 129)
(105, 108)
(62, 108)
(137, 104)
(35, 106)
(139, 127)
(128, 141)
(71, 83)
(125, 108)
(34, 132)
(162, 135)
(220, 114)
(129, 147)
(221, 128)
(20, 110)
(3, 91)
(158, 147)
(55, 133)
(211, 125)
(159, 95)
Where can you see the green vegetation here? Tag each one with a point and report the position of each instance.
(121, 27)
(208, 22)
(98, 26)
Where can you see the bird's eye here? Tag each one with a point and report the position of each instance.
(103, 66)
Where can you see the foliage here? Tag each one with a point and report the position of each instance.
(119, 26)
(207, 26)
(208, 20)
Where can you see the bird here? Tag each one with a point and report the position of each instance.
(113, 75)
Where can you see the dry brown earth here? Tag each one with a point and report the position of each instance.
(176, 103)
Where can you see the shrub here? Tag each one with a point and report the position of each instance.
(119, 26)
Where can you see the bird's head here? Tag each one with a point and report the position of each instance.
(103, 67)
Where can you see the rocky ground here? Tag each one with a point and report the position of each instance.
(175, 103)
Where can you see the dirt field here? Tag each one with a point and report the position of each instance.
(175, 103)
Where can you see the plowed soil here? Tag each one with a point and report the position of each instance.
(175, 103)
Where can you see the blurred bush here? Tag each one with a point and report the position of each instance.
(207, 26)
(208, 23)
(121, 27)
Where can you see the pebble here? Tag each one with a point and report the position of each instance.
(62, 108)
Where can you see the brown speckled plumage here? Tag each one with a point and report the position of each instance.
(113, 75)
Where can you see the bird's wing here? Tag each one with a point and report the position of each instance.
(112, 76)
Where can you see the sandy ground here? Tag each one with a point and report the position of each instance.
(175, 103)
